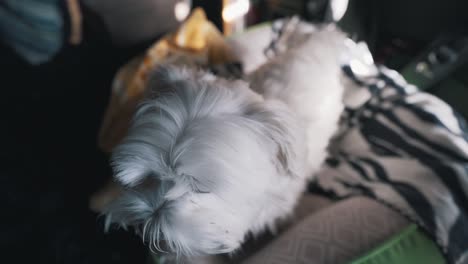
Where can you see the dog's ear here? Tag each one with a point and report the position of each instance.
(132, 162)
(283, 128)
(139, 154)
(155, 125)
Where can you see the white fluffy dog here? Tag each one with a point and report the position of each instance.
(208, 160)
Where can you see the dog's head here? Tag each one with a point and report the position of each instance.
(201, 162)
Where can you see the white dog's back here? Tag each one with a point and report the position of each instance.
(307, 78)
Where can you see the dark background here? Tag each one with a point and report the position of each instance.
(50, 115)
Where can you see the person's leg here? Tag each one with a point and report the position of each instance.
(335, 234)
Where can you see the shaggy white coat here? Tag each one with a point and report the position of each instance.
(208, 161)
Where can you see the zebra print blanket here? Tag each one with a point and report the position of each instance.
(407, 149)
(402, 147)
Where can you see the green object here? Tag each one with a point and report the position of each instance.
(454, 92)
(415, 78)
(411, 246)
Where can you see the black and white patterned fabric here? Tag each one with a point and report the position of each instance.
(407, 149)
(400, 146)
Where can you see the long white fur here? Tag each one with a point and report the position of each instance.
(307, 77)
(207, 161)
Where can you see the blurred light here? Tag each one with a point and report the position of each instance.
(181, 10)
(361, 50)
(338, 9)
(359, 68)
(235, 10)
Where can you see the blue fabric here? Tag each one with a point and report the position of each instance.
(33, 28)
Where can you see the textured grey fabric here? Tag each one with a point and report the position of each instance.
(335, 234)
(322, 231)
